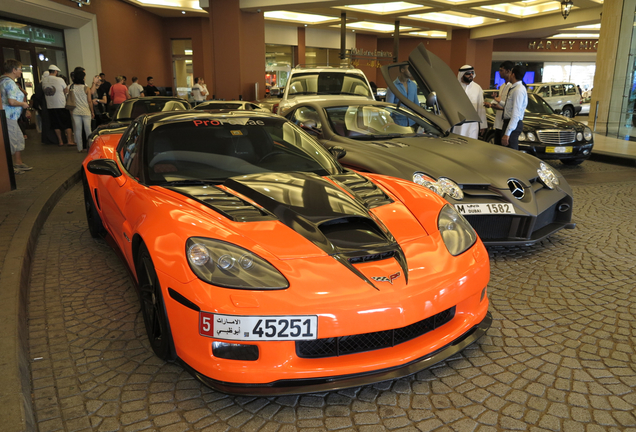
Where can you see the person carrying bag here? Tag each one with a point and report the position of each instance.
(71, 103)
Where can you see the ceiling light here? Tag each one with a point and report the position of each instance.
(367, 25)
(566, 6)
(384, 8)
(523, 10)
(183, 12)
(575, 36)
(298, 17)
(188, 52)
(430, 34)
(458, 19)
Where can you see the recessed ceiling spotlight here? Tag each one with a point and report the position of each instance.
(183, 12)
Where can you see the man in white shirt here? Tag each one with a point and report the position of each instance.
(499, 102)
(55, 90)
(199, 91)
(514, 108)
(136, 90)
(475, 93)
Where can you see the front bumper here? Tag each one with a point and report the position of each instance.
(331, 383)
(579, 151)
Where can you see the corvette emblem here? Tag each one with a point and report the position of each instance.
(389, 279)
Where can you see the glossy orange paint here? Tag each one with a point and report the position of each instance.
(318, 285)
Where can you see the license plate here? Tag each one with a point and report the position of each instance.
(481, 209)
(558, 149)
(258, 328)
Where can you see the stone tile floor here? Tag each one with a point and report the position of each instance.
(560, 355)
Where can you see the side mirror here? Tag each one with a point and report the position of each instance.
(310, 126)
(431, 102)
(104, 167)
(337, 152)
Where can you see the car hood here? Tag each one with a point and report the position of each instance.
(331, 213)
(454, 157)
(550, 121)
(429, 69)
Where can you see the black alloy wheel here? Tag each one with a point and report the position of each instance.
(568, 112)
(153, 307)
(95, 225)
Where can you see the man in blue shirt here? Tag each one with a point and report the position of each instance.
(404, 82)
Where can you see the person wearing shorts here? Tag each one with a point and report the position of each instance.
(55, 90)
(13, 103)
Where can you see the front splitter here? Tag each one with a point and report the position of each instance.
(312, 385)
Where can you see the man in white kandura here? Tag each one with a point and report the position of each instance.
(475, 93)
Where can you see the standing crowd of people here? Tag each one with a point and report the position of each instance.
(65, 110)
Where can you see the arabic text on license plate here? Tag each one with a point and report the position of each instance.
(558, 149)
(480, 209)
(255, 328)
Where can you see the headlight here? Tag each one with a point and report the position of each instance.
(456, 232)
(579, 136)
(548, 175)
(531, 137)
(442, 187)
(587, 134)
(522, 136)
(227, 265)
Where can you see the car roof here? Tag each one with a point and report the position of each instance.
(185, 116)
(550, 83)
(340, 101)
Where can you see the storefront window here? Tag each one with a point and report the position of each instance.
(627, 124)
(279, 60)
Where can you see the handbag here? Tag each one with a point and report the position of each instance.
(70, 99)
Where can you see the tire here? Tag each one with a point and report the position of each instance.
(153, 307)
(568, 112)
(95, 225)
(572, 161)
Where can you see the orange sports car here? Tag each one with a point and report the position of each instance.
(264, 267)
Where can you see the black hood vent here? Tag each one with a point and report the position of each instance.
(324, 214)
(230, 206)
(363, 189)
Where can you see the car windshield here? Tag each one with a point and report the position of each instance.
(130, 110)
(375, 121)
(219, 106)
(213, 149)
(329, 83)
(538, 105)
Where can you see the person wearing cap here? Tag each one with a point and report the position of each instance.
(55, 91)
(466, 76)
(13, 102)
